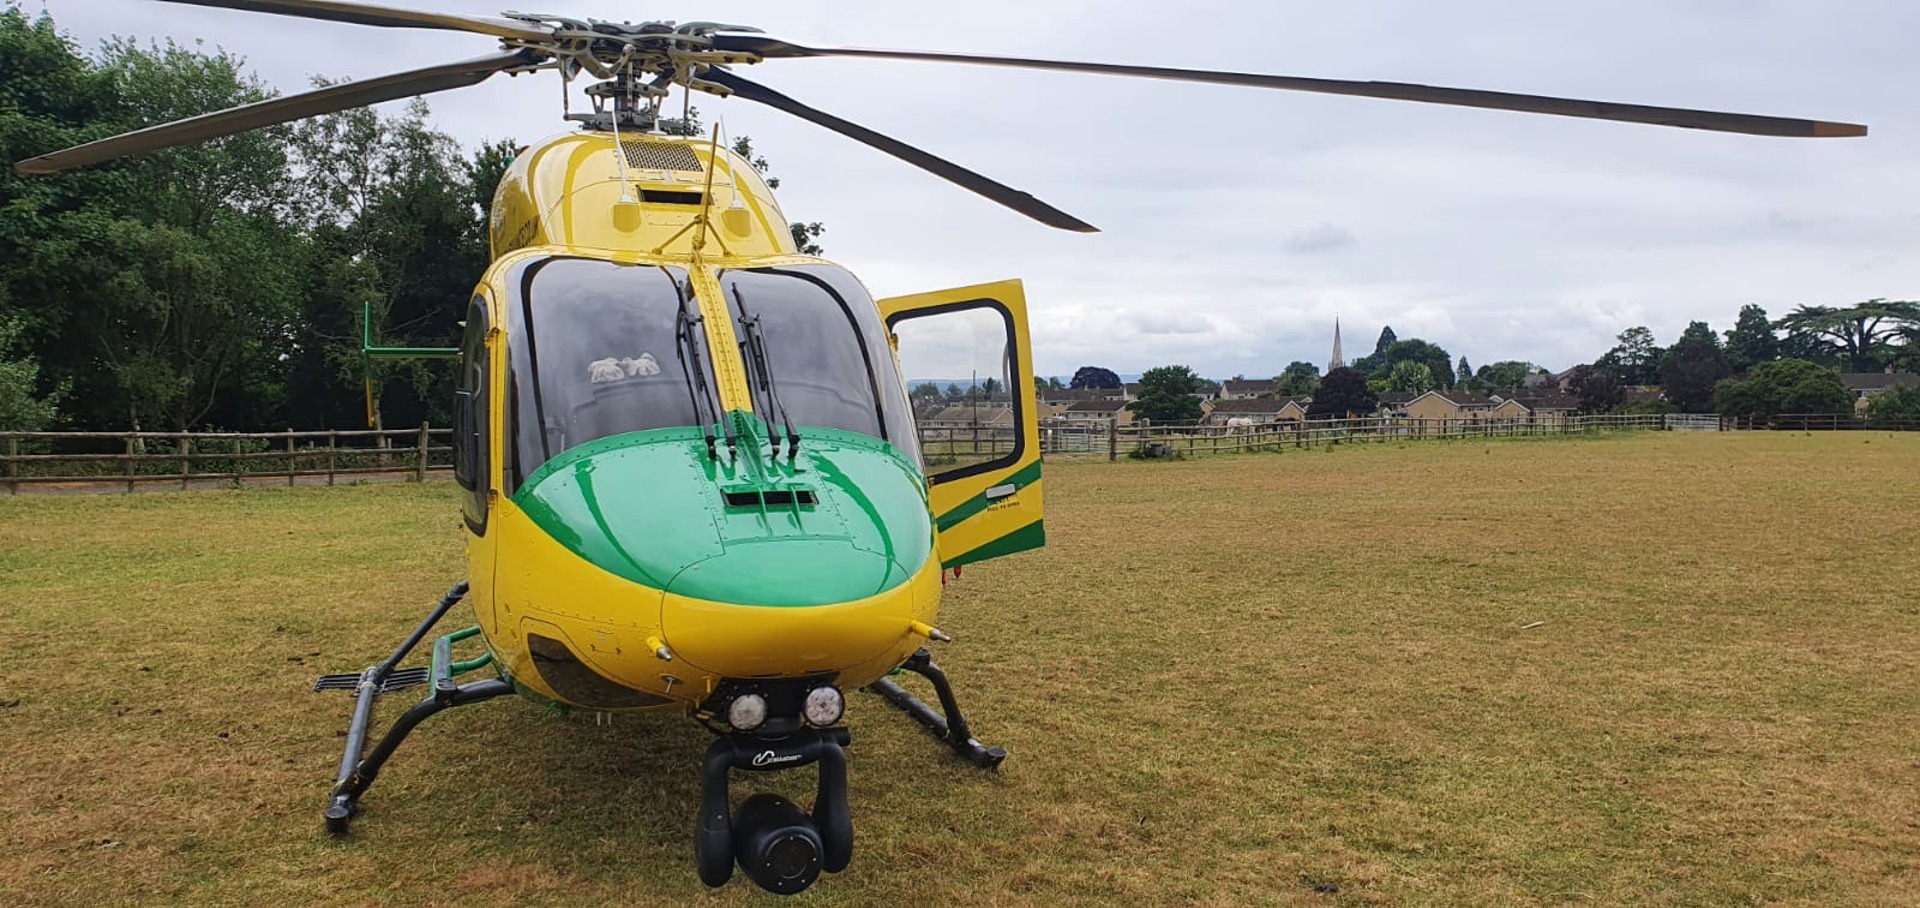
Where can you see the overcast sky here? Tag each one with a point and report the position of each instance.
(1238, 223)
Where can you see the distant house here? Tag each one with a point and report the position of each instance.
(1394, 403)
(1549, 406)
(1453, 405)
(1508, 408)
(1131, 390)
(1070, 396)
(1100, 411)
(1256, 410)
(1868, 385)
(953, 418)
(1245, 388)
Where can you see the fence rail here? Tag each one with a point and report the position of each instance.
(130, 460)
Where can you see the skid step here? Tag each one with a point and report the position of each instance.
(398, 679)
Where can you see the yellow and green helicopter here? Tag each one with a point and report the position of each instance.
(691, 476)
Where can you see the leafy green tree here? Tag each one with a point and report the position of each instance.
(1408, 375)
(1167, 394)
(1784, 386)
(1094, 377)
(1635, 360)
(989, 386)
(1299, 379)
(1858, 336)
(22, 407)
(925, 392)
(1438, 362)
(1692, 367)
(1504, 375)
(1896, 403)
(1752, 340)
(1343, 393)
(1463, 373)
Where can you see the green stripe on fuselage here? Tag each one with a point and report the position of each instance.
(1026, 477)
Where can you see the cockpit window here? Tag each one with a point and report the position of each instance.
(826, 351)
(596, 351)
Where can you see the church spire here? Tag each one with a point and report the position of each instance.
(1338, 362)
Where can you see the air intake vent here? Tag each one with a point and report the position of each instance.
(773, 498)
(659, 155)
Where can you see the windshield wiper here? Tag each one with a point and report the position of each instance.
(695, 373)
(753, 349)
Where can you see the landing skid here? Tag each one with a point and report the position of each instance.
(950, 728)
(357, 772)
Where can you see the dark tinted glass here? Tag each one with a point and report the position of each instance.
(595, 353)
(827, 350)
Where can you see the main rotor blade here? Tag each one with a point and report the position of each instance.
(1751, 124)
(940, 167)
(274, 111)
(385, 16)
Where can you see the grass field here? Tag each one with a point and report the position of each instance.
(1671, 669)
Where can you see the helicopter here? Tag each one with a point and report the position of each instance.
(689, 473)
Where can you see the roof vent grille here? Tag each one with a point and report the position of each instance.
(659, 155)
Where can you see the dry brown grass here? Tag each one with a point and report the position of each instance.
(1299, 678)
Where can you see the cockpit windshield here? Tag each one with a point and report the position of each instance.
(597, 350)
(826, 351)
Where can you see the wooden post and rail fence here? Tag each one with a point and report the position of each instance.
(127, 461)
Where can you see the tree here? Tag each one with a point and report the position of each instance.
(1408, 375)
(1299, 379)
(1438, 362)
(1094, 377)
(1635, 360)
(955, 392)
(1784, 386)
(1167, 394)
(1858, 336)
(1896, 403)
(1752, 340)
(926, 392)
(1596, 388)
(1692, 367)
(989, 386)
(22, 409)
(1343, 393)
(1465, 372)
(1376, 362)
(1387, 339)
(1504, 375)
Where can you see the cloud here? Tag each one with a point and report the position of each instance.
(1232, 216)
(1324, 238)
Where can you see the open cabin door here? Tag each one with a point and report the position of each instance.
(979, 425)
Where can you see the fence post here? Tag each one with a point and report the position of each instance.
(127, 461)
(290, 458)
(1113, 440)
(333, 448)
(186, 460)
(13, 465)
(420, 466)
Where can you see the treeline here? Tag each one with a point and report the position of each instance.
(221, 285)
(1761, 366)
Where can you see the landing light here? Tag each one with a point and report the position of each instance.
(825, 706)
(747, 712)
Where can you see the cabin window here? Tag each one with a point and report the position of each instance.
(596, 350)
(470, 436)
(825, 350)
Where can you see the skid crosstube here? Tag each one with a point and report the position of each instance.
(950, 728)
(358, 768)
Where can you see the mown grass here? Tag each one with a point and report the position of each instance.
(1666, 669)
